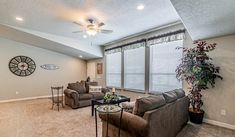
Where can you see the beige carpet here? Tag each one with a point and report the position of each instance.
(34, 118)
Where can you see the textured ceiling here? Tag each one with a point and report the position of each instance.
(207, 18)
(56, 16)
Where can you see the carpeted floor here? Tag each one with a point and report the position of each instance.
(34, 118)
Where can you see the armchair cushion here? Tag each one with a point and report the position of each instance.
(133, 124)
(78, 86)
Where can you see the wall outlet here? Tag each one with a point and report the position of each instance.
(17, 92)
(223, 112)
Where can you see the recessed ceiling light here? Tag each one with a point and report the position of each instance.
(84, 36)
(80, 56)
(19, 19)
(140, 7)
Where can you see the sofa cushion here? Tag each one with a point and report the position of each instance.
(148, 103)
(180, 93)
(170, 96)
(87, 84)
(78, 86)
(85, 96)
(97, 95)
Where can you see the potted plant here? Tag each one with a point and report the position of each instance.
(200, 73)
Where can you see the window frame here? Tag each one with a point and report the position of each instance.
(147, 62)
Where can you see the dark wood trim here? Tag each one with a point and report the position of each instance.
(151, 38)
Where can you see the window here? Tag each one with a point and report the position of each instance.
(113, 70)
(134, 68)
(164, 58)
(148, 64)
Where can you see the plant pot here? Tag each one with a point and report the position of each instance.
(196, 116)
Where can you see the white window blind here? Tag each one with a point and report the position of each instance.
(113, 70)
(134, 68)
(164, 58)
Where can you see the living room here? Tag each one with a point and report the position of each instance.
(130, 57)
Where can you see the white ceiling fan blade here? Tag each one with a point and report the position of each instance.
(77, 31)
(77, 23)
(101, 24)
(106, 31)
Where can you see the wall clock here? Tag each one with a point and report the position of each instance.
(22, 66)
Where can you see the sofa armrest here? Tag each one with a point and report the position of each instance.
(131, 123)
(71, 93)
(105, 90)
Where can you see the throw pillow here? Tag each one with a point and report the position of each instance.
(128, 106)
(95, 88)
(148, 103)
(88, 84)
(170, 96)
(79, 87)
(180, 93)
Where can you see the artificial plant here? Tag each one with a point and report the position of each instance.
(198, 70)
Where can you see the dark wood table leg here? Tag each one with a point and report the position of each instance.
(92, 107)
(120, 124)
(96, 130)
(107, 130)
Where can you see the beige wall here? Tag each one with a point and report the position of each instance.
(39, 83)
(222, 97)
(91, 71)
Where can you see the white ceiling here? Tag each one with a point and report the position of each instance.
(56, 16)
(207, 18)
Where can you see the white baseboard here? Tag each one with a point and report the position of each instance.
(220, 124)
(21, 99)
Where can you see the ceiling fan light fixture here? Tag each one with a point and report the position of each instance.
(140, 7)
(91, 32)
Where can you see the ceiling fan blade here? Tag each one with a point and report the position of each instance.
(77, 23)
(101, 24)
(77, 31)
(106, 31)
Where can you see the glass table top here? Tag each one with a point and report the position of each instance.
(108, 108)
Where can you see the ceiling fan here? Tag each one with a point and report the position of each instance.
(92, 28)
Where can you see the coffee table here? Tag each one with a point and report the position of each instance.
(102, 102)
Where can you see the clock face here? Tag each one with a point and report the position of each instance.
(22, 66)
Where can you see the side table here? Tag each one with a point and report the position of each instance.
(108, 109)
(57, 96)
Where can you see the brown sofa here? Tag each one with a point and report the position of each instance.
(78, 95)
(154, 116)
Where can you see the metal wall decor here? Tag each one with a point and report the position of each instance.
(22, 66)
(49, 66)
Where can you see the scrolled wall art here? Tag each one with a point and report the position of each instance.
(22, 66)
(50, 67)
